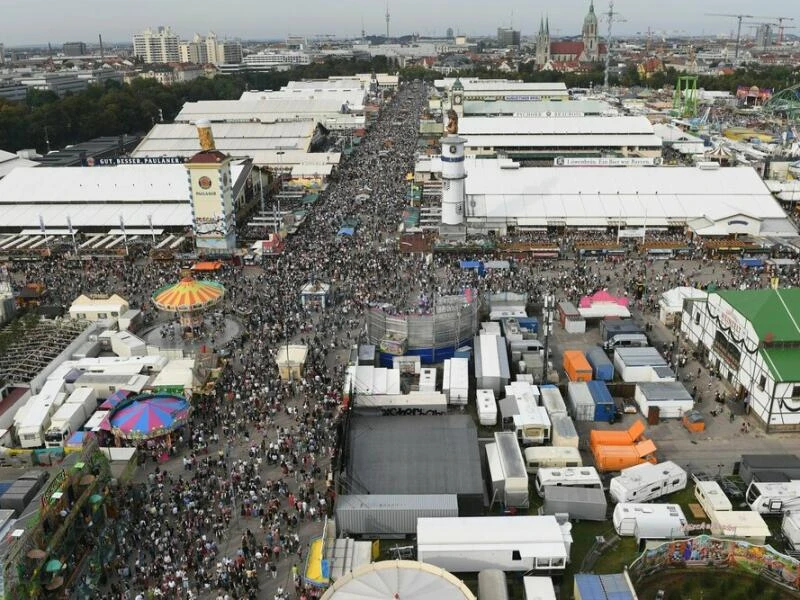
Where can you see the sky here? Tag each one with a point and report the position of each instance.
(42, 21)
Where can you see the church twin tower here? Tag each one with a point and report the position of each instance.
(587, 50)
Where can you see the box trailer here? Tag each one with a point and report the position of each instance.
(491, 363)
(564, 457)
(581, 404)
(538, 588)
(745, 525)
(487, 407)
(427, 380)
(471, 544)
(766, 467)
(586, 477)
(456, 379)
(710, 496)
(602, 367)
(570, 318)
(651, 521)
(552, 400)
(604, 407)
(507, 470)
(390, 515)
(773, 498)
(638, 364)
(583, 504)
(616, 458)
(645, 482)
(563, 432)
(671, 398)
(617, 437)
(611, 327)
(790, 528)
(576, 367)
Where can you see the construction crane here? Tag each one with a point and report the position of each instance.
(612, 17)
(780, 21)
(738, 29)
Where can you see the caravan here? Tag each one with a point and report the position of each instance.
(586, 477)
(645, 482)
(649, 521)
(564, 457)
(773, 498)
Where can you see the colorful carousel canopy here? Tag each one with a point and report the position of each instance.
(150, 416)
(188, 295)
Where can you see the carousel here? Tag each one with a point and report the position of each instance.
(190, 298)
(148, 417)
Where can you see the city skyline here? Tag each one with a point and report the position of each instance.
(35, 22)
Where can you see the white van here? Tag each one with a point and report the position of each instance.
(626, 340)
(551, 456)
(586, 477)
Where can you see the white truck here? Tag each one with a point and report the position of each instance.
(70, 416)
(35, 418)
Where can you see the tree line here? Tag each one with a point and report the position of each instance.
(113, 108)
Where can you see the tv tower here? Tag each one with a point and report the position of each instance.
(387, 20)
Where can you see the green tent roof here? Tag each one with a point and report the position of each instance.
(783, 363)
(772, 313)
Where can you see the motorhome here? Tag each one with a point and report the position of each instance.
(564, 457)
(586, 477)
(645, 482)
(507, 470)
(773, 498)
(530, 421)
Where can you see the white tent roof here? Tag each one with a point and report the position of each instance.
(674, 298)
(398, 579)
(98, 196)
(556, 141)
(9, 162)
(639, 195)
(523, 126)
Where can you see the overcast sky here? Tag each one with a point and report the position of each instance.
(56, 21)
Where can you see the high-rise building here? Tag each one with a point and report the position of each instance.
(160, 46)
(449, 33)
(209, 50)
(194, 51)
(229, 53)
(74, 49)
(506, 36)
(764, 36)
(2, 55)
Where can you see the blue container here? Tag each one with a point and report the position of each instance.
(604, 407)
(529, 324)
(602, 367)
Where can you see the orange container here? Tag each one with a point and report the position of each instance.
(604, 437)
(616, 458)
(576, 366)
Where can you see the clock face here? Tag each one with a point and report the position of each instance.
(452, 149)
(457, 99)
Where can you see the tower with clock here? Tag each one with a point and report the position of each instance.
(453, 176)
(457, 97)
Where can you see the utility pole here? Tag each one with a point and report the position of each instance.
(612, 17)
(547, 325)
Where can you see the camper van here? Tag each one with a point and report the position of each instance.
(564, 457)
(645, 482)
(649, 521)
(626, 340)
(586, 477)
(773, 497)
